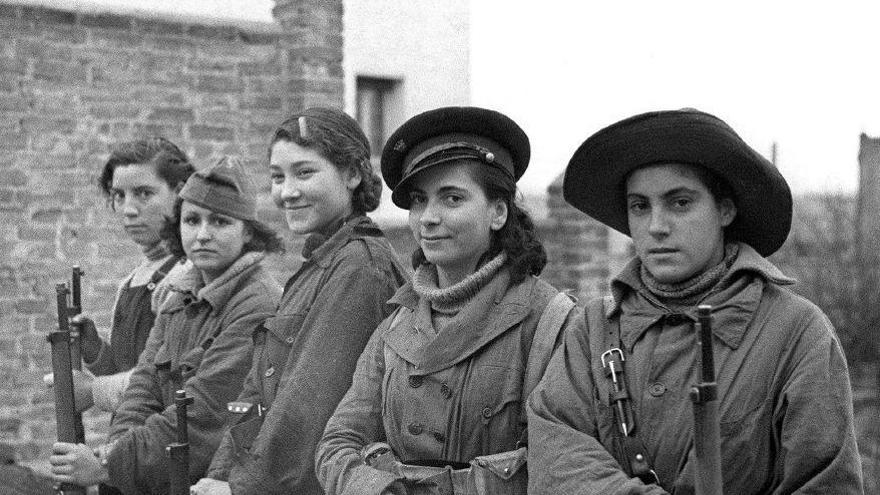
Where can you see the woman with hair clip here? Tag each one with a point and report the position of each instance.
(140, 181)
(201, 341)
(436, 404)
(319, 162)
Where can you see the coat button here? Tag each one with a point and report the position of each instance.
(446, 391)
(415, 428)
(415, 381)
(438, 436)
(269, 372)
(657, 389)
(487, 412)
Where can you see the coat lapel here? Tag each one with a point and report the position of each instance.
(412, 337)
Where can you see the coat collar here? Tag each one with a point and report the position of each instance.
(354, 227)
(189, 285)
(735, 299)
(495, 309)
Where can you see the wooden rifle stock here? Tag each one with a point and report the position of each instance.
(178, 452)
(704, 395)
(69, 422)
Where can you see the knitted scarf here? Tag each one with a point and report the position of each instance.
(450, 300)
(691, 290)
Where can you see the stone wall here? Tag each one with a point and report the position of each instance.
(73, 82)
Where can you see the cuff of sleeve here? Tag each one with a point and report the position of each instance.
(107, 391)
(101, 351)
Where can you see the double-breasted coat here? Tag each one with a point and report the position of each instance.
(453, 396)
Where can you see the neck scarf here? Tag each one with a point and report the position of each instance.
(451, 299)
(690, 290)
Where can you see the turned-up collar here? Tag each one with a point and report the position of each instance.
(189, 287)
(495, 309)
(734, 300)
(356, 226)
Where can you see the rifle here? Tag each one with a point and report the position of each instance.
(704, 395)
(178, 452)
(69, 422)
(74, 309)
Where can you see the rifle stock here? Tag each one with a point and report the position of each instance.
(178, 452)
(69, 422)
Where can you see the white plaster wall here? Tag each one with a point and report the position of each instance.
(422, 43)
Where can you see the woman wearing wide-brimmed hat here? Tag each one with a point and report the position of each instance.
(436, 405)
(704, 211)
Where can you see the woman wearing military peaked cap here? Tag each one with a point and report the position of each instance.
(443, 380)
(201, 340)
(703, 209)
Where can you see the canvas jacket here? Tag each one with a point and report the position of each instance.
(304, 359)
(206, 334)
(785, 403)
(453, 395)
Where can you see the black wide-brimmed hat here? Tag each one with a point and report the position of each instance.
(451, 134)
(595, 179)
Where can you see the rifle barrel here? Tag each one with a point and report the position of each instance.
(69, 424)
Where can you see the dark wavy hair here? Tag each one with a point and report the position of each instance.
(263, 238)
(339, 139)
(168, 161)
(518, 237)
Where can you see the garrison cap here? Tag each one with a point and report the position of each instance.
(224, 187)
(595, 179)
(450, 134)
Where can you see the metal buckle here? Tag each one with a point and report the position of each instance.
(610, 353)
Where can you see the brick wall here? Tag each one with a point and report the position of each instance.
(73, 82)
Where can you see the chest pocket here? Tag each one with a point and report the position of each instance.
(492, 407)
(279, 335)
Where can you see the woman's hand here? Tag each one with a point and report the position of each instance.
(90, 342)
(208, 486)
(76, 463)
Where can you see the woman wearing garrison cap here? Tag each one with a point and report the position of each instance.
(437, 400)
(704, 211)
(201, 340)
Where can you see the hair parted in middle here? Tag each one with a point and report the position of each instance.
(339, 139)
(518, 238)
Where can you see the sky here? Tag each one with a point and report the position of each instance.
(802, 74)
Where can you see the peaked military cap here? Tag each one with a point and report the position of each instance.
(450, 134)
(224, 187)
(595, 179)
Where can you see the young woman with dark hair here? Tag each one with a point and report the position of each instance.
(140, 180)
(704, 211)
(443, 381)
(319, 164)
(201, 342)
